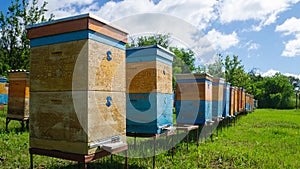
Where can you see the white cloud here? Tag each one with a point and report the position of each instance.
(222, 41)
(272, 72)
(269, 73)
(253, 46)
(291, 27)
(292, 47)
(265, 12)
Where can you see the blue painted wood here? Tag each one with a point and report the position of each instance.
(217, 108)
(149, 53)
(78, 35)
(193, 111)
(147, 112)
(192, 80)
(226, 100)
(2, 80)
(3, 98)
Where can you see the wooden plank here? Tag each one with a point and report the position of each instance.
(78, 65)
(105, 75)
(52, 66)
(193, 91)
(78, 24)
(106, 121)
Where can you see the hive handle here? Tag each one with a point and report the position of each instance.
(108, 101)
(108, 53)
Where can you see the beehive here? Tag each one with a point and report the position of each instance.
(77, 84)
(217, 97)
(234, 101)
(255, 104)
(18, 95)
(243, 101)
(251, 102)
(3, 91)
(149, 89)
(247, 106)
(193, 98)
(239, 100)
(226, 99)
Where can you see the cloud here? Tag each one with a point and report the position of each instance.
(264, 12)
(222, 41)
(269, 73)
(272, 72)
(292, 47)
(291, 27)
(252, 46)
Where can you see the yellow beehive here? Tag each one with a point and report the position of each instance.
(77, 84)
(18, 95)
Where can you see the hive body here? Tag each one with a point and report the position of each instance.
(226, 99)
(149, 89)
(217, 97)
(193, 98)
(3, 91)
(18, 95)
(77, 84)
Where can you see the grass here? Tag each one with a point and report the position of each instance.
(266, 138)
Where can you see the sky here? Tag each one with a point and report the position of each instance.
(265, 34)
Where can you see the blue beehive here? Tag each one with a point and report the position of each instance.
(3, 91)
(193, 99)
(149, 96)
(217, 98)
(226, 99)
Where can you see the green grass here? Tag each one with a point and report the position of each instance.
(266, 138)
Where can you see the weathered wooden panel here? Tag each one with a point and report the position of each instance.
(3, 90)
(193, 91)
(149, 69)
(52, 66)
(105, 74)
(141, 77)
(18, 95)
(77, 23)
(78, 65)
(59, 116)
(106, 118)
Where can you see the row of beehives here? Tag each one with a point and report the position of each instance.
(202, 98)
(86, 89)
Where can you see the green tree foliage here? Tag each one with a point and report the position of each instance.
(14, 44)
(235, 73)
(274, 92)
(157, 39)
(216, 69)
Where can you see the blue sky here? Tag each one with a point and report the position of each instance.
(265, 34)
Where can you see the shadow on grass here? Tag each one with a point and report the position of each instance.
(99, 164)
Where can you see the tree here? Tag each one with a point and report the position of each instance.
(216, 69)
(274, 92)
(235, 73)
(14, 44)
